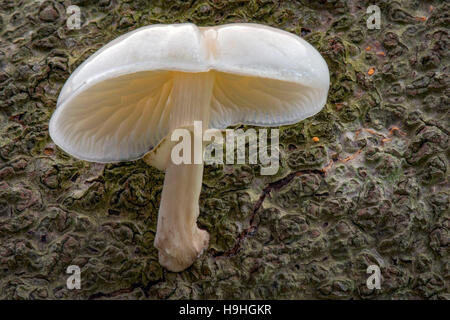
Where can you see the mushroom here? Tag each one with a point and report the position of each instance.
(124, 102)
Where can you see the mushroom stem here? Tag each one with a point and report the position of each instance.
(178, 238)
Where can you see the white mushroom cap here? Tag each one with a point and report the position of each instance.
(116, 105)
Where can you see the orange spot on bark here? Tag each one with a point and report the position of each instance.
(371, 71)
(353, 156)
(381, 53)
(422, 18)
(371, 131)
(48, 151)
(393, 129)
(368, 48)
(327, 167)
(315, 139)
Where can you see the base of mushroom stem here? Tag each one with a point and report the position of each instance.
(178, 261)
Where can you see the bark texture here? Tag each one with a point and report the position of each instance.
(373, 190)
